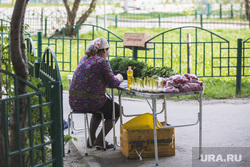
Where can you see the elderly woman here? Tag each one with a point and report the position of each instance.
(87, 90)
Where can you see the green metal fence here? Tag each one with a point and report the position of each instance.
(188, 51)
(44, 129)
(184, 49)
(41, 134)
(210, 16)
(69, 50)
(246, 58)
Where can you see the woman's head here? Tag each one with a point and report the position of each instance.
(98, 46)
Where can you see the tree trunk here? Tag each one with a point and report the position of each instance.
(72, 15)
(2, 152)
(247, 6)
(19, 61)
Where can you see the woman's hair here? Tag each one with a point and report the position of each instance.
(100, 52)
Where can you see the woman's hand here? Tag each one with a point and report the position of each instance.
(120, 77)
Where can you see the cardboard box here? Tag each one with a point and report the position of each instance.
(136, 39)
(134, 142)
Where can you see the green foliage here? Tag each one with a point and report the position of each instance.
(68, 138)
(122, 64)
(140, 69)
(161, 72)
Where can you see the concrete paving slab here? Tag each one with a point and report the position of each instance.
(225, 124)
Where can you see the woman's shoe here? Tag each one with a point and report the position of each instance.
(108, 145)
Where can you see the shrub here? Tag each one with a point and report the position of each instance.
(122, 64)
(161, 72)
(139, 68)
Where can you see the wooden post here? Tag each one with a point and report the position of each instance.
(189, 62)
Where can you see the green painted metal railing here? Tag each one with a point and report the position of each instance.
(69, 50)
(48, 72)
(36, 144)
(187, 51)
(183, 49)
(246, 57)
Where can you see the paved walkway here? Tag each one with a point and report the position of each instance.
(225, 124)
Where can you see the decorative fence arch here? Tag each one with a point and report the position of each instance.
(49, 72)
(186, 51)
(69, 50)
(246, 58)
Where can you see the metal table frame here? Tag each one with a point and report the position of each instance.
(154, 97)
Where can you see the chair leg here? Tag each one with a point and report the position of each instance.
(103, 131)
(69, 126)
(90, 141)
(72, 123)
(86, 135)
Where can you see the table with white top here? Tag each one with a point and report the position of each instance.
(154, 97)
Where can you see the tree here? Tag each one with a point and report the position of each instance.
(2, 155)
(19, 62)
(71, 15)
(247, 7)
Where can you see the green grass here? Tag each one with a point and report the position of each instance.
(141, 16)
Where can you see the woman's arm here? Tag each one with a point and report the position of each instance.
(111, 80)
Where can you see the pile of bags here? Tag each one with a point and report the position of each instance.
(184, 83)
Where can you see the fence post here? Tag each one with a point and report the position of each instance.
(239, 58)
(42, 19)
(249, 19)
(39, 45)
(56, 116)
(208, 10)
(159, 16)
(135, 50)
(116, 20)
(189, 62)
(96, 23)
(201, 16)
(220, 11)
(195, 13)
(232, 11)
(45, 28)
(36, 69)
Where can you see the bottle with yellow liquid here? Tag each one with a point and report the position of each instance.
(129, 75)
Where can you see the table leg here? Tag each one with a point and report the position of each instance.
(155, 133)
(120, 105)
(200, 122)
(113, 118)
(165, 109)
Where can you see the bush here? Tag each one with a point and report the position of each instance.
(161, 72)
(139, 68)
(122, 64)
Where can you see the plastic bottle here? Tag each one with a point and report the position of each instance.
(129, 75)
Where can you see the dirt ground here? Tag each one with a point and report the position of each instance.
(74, 158)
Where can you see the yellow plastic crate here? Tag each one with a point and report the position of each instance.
(144, 121)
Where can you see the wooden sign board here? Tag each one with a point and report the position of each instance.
(136, 39)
